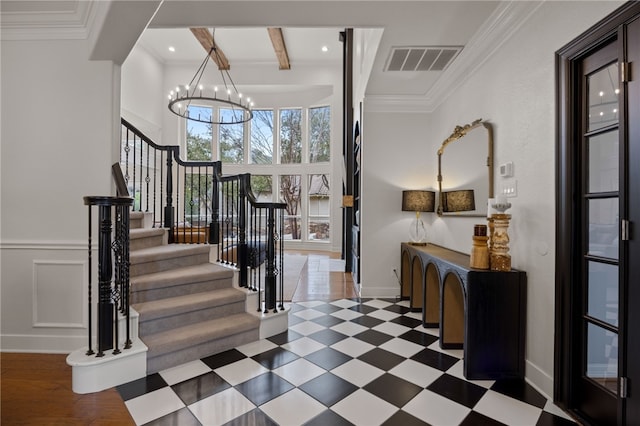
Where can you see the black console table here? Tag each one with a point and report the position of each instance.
(480, 311)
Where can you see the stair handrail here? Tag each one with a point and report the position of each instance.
(167, 212)
(252, 248)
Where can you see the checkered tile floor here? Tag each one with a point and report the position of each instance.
(363, 362)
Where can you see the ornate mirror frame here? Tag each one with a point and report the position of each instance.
(458, 133)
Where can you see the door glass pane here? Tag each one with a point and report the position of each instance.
(603, 97)
(603, 292)
(290, 191)
(603, 227)
(603, 162)
(602, 356)
(262, 137)
(318, 210)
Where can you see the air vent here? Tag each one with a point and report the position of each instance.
(421, 58)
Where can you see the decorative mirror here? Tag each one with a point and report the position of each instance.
(465, 173)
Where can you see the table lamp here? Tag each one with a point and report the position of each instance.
(418, 201)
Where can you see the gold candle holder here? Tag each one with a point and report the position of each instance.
(499, 254)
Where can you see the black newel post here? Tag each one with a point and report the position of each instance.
(90, 280)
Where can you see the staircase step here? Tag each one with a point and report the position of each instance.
(136, 220)
(166, 257)
(166, 314)
(146, 237)
(192, 342)
(178, 282)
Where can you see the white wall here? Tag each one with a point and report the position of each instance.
(142, 95)
(514, 90)
(59, 112)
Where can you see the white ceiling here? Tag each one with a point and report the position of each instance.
(480, 26)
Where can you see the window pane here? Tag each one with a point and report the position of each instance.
(262, 137)
(603, 292)
(199, 135)
(603, 97)
(290, 190)
(603, 227)
(231, 138)
(602, 356)
(319, 134)
(262, 188)
(319, 207)
(603, 162)
(290, 136)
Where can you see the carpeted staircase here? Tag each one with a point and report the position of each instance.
(188, 306)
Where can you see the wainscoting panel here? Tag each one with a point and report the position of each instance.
(59, 294)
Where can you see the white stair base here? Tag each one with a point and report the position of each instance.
(271, 323)
(92, 374)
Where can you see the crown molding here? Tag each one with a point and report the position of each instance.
(397, 103)
(500, 27)
(502, 24)
(72, 23)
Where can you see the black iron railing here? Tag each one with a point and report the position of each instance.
(200, 205)
(181, 195)
(253, 245)
(113, 272)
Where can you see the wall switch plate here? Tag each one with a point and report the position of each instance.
(508, 188)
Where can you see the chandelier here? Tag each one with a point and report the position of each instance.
(198, 94)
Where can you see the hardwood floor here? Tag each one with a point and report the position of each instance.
(323, 278)
(36, 388)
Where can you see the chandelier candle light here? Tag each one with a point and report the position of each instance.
(199, 94)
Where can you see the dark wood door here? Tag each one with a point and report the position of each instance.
(597, 255)
(598, 203)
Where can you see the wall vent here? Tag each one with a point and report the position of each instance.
(421, 58)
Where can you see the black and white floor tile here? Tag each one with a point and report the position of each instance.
(361, 362)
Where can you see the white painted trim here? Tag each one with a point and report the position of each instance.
(32, 343)
(379, 292)
(83, 289)
(505, 20)
(49, 25)
(45, 245)
(539, 379)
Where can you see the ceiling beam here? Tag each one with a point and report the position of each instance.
(279, 47)
(206, 40)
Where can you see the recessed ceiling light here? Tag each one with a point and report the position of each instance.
(172, 49)
(325, 49)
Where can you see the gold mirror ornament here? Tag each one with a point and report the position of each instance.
(468, 181)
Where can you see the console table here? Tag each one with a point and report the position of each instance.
(480, 311)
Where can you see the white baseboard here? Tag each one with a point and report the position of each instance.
(379, 292)
(539, 379)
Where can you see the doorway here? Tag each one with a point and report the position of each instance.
(597, 348)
